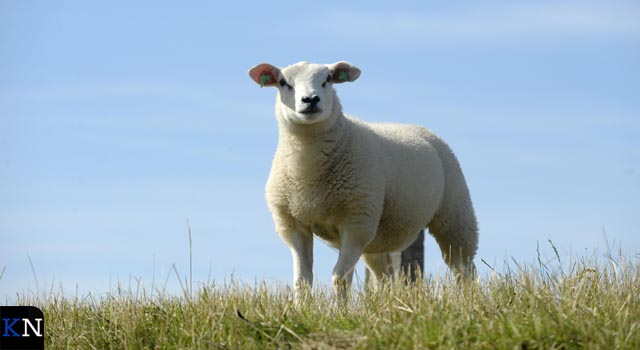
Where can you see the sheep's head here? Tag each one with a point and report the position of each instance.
(306, 91)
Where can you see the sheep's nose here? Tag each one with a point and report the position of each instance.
(311, 100)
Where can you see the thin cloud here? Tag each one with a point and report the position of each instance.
(497, 24)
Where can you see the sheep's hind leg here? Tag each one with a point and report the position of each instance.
(458, 243)
(380, 265)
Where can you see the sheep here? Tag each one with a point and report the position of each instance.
(366, 189)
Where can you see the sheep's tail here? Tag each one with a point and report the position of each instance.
(454, 225)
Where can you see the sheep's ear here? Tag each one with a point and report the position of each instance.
(343, 71)
(265, 74)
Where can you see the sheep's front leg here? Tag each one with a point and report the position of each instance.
(301, 244)
(351, 247)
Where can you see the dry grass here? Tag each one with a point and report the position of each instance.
(588, 303)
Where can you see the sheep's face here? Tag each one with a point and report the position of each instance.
(306, 91)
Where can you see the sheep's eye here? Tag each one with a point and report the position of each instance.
(326, 81)
(284, 83)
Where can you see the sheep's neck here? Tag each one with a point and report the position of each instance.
(311, 154)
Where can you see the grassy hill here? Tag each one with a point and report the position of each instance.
(583, 304)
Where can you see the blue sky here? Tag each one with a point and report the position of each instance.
(120, 121)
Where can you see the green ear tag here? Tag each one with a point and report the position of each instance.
(343, 76)
(264, 79)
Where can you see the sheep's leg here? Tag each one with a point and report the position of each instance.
(458, 245)
(351, 247)
(301, 246)
(380, 265)
(460, 260)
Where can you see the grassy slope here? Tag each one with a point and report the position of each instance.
(588, 305)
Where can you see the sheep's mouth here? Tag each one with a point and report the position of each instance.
(310, 110)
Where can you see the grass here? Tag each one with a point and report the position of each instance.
(587, 303)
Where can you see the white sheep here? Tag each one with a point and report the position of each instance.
(366, 189)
